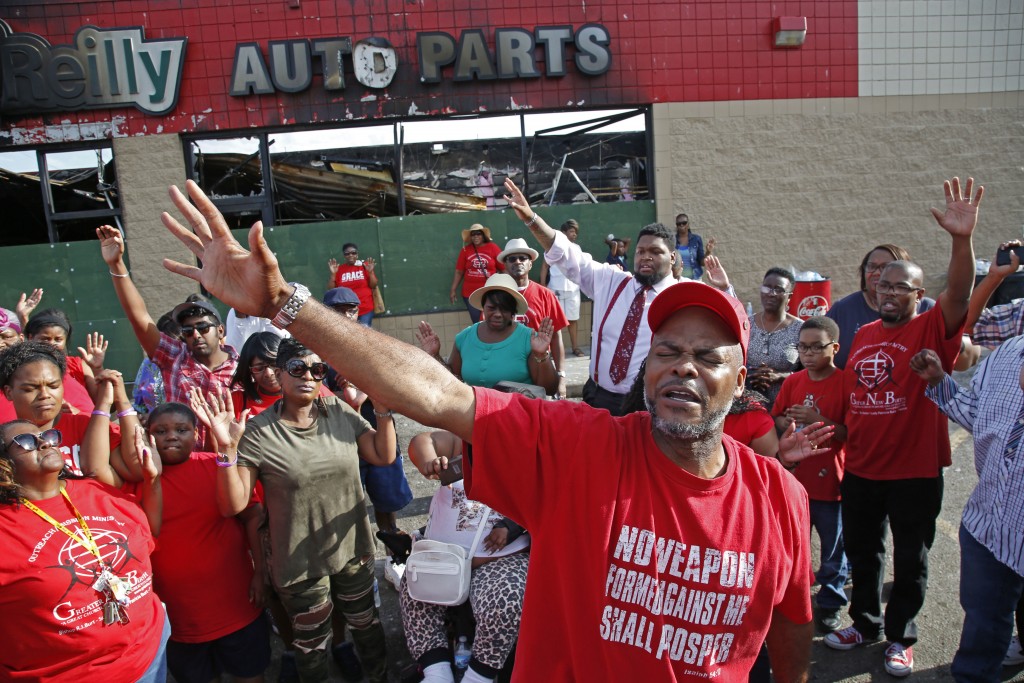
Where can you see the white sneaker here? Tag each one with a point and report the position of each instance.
(1014, 653)
(393, 573)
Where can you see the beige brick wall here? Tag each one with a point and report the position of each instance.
(815, 183)
(447, 325)
(146, 167)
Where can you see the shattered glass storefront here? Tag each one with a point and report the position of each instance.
(445, 166)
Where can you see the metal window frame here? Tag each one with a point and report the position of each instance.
(45, 189)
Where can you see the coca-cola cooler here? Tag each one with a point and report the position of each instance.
(810, 298)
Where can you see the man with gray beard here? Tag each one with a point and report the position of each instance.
(661, 550)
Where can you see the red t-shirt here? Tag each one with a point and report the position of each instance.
(894, 431)
(820, 474)
(745, 427)
(72, 430)
(638, 569)
(202, 564)
(52, 627)
(477, 264)
(358, 280)
(542, 304)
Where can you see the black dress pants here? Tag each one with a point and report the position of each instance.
(911, 507)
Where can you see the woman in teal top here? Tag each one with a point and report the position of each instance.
(498, 348)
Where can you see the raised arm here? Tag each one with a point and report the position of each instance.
(990, 283)
(26, 304)
(959, 220)
(112, 248)
(95, 451)
(234, 483)
(332, 266)
(402, 376)
(151, 496)
(544, 233)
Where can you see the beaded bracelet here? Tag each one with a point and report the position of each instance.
(390, 414)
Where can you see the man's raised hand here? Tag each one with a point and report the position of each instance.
(961, 214)
(248, 281)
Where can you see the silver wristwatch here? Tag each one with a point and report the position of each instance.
(291, 308)
(560, 373)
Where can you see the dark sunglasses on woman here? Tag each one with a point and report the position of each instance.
(51, 438)
(297, 368)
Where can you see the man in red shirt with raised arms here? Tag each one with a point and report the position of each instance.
(678, 551)
(898, 440)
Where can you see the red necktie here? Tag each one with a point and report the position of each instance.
(627, 339)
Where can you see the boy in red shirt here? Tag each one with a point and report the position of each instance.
(815, 394)
(202, 568)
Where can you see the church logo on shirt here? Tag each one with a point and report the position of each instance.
(875, 370)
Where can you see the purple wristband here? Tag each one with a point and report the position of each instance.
(101, 413)
(127, 412)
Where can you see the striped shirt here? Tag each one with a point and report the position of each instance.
(992, 409)
(999, 323)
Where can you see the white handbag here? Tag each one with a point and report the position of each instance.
(439, 573)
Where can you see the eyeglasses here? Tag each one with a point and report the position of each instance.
(883, 287)
(298, 369)
(259, 368)
(201, 328)
(32, 442)
(874, 267)
(777, 291)
(516, 258)
(813, 349)
(351, 253)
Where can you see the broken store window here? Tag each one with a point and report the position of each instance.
(458, 164)
(57, 196)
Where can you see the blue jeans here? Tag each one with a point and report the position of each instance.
(827, 518)
(474, 313)
(157, 671)
(366, 319)
(989, 591)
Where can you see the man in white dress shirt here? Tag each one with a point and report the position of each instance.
(619, 341)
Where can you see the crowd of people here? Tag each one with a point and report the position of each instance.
(660, 529)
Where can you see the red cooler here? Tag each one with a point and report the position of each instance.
(810, 298)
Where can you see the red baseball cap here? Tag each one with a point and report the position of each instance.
(686, 294)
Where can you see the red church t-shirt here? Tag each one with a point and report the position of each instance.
(638, 569)
(820, 474)
(478, 264)
(358, 280)
(52, 626)
(895, 432)
(202, 564)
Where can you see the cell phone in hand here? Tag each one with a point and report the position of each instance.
(453, 472)
(1003, 255)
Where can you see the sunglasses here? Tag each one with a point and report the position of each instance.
(298, 369)
(681, 223)
(351, 253)
(515, 258)
(777, 291)
(32, 442)
(201, 328)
